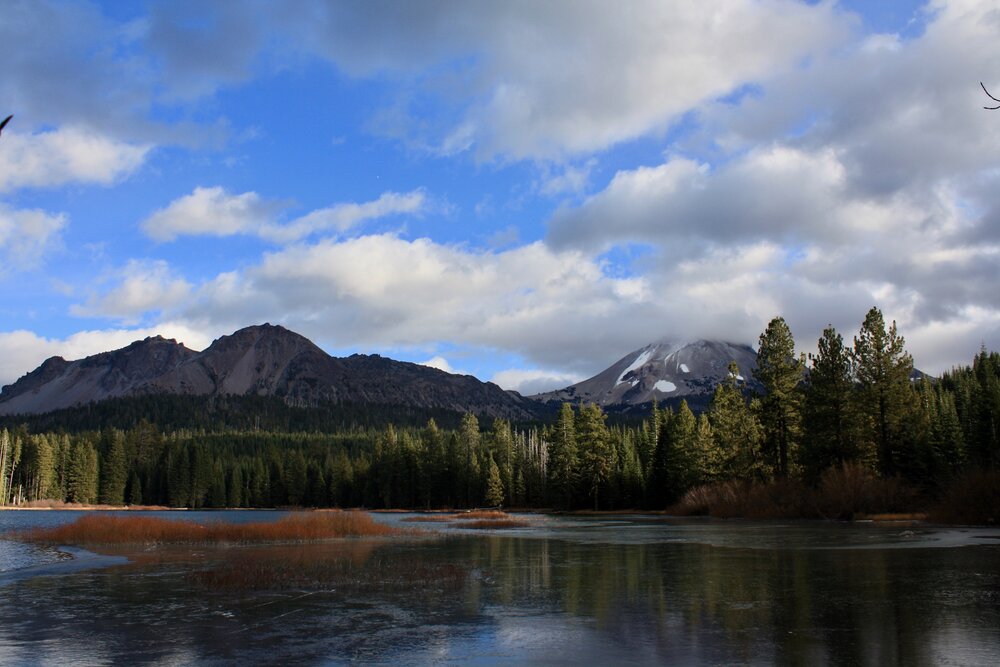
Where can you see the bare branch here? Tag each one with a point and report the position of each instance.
(991, 97)
(7, 120)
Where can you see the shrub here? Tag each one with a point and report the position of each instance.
(972, 498)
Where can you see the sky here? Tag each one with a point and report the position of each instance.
(522, 191)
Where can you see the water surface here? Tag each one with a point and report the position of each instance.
(622, 590)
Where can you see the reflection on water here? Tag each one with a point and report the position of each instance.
(542, 596)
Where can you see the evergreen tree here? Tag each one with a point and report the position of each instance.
(494, 485)
(830, 433)
(83, 473)
(114, 468)
(883, 368)
(780, 373)
(736, 433)
(469, 440)
(675, 466)
(595, 450)
(562, 458)
(502, 447)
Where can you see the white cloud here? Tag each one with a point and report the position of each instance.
(512, 80)
(567, 179)
(209, 212)
(442, 364)
(66, 155)
(529, 382)
(22, 351)
(26, 236)
(215, 212)
(142, 286)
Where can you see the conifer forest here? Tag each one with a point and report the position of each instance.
(850, 410)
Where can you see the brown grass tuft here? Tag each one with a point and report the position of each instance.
(482, 514)
(299, 527)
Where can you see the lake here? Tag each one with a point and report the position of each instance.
(564, 590)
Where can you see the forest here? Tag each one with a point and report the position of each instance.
(849, 419)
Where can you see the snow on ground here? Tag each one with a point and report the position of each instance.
(638, 363)
(665, 386)
(685, 369)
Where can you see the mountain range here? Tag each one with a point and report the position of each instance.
(269, 360)
(264, 360)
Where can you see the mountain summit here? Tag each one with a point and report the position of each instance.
(263, 360)
(663, 372)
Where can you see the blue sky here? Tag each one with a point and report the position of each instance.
(522, 191)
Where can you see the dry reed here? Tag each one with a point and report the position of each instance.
(300, 527)
(482, 514)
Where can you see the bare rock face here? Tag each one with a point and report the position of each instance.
(663, 372)
(262, 360)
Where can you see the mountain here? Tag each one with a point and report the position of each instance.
(262, 360)
(665, 373)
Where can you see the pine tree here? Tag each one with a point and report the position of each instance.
(494, 485)
(736, 433)
(780, 373)
(83, 473)
(114, 469)
(562, 458)
(883, 368)
(830, 436)
(470, 445)
(595, 450)
(502, 446)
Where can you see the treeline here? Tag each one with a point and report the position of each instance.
(855, 405)
(174, 412)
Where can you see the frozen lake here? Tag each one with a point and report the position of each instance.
(566, 590)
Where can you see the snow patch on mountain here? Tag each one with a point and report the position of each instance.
(639, 362)
(666, 386)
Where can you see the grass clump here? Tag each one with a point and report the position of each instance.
(106, 529)
(482, 514)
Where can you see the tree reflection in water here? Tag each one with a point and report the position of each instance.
(488, 597)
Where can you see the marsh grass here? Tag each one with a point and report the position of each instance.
(103, 529)
(482, 514)
(507, 522)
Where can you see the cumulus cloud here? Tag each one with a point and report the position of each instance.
(529, 382)
(510, 80)
(215, 212)
(27, 235)
(867, 177)
(22, 351)
(442, 364)
(66, 155)
(142, 287)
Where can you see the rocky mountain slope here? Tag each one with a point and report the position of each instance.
(260, 360)
(662, 372)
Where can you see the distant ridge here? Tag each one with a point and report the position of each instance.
(261, 360)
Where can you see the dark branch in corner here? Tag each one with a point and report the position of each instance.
(989, 96)
(7, 120)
